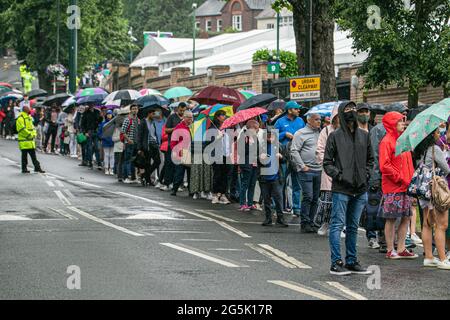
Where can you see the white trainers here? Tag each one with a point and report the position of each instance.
(209, 196)
(203, 195)
(158, 185)
(164, 188)
(127, 181)
(431, 263)
(373, 244)
(195, 196)
(444, 265)
(415, 238)
(224, 200)
(215, 200)
(323, 231)
(107, 172)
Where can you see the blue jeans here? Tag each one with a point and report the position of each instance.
(346, 210)
(128, 167)
(296, 189)
(310, 183)
(248, 183)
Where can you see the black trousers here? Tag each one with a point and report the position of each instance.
(180, 170)
(220, 179)
(153, 161)
(51, 132)
(169, 168)
(32, 153)
(272, 190)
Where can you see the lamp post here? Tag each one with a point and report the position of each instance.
(130, 33)
(194, 19)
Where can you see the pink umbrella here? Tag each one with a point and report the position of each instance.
(242, 116)
(149, 92)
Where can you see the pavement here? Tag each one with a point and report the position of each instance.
(77, 234)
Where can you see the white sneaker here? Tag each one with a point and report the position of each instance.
(323, 229)
(158, 186)
(373, 244)
(180, 189)
(195, 196)
(224, 200)
(415, 238)
(111, 172)
(209, 196)
(342, 235)
(215, 200)
(107, 172)
(164, 188)
(444, 265)
(431, 263)
(127, 181)
(203, 195)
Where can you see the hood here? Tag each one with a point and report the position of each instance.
(334, 113)
(390, 121)
(341, 108)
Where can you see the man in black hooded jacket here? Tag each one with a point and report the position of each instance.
(348, 160)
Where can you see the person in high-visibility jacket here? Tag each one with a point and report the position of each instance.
(26, 137)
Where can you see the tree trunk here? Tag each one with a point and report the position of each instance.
(413, 95)
(322, 44)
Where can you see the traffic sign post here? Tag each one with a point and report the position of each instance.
(306, 88)
(273, 68)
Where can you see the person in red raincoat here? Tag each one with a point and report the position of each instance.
(397, 172)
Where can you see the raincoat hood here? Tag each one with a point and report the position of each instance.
(334, 113)
(341, 109)
(390, 121)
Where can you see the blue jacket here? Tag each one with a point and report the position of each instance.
(106, 142)
(285, 125)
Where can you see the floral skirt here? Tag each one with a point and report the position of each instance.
(395, 205)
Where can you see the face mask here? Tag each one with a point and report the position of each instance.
(157, 114)
(363, 118)
(350, 116)
(442, 131)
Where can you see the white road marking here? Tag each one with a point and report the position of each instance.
(10, 161)
(63, 198)
(141, 198)
(69, 194)
(59, 183)
(302, 289)
(85, 184)
(284, 256)
(64, 214)
(253, 260)
(226, 249)
(201, 240)
(180, 231)
(108, 224)
(203, 255)
(271, 256)
(10, 217)
(55, 176)
(347, 291)
(216, 215)
(50, 184)
(221, 223)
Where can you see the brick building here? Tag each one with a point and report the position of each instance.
(217, 16)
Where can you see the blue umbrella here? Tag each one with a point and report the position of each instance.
(4, 100)
(324, 109)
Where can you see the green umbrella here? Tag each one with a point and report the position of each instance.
(423, 124)
(177, 92)
(248, 94)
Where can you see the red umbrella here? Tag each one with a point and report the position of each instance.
(213, 95)
(4, 84)
(242, 116)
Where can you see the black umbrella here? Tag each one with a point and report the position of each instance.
(69, 108)
(277, 104)
(152, 100)
(37, 93)
(261, 100)
(57, 98)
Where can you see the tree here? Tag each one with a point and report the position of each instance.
(286, 57)
(32, 28)
(323, 27)
(163, 15)
(407, 45)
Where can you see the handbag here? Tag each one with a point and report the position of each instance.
(81, 138)
(420, 183)
(440, 194)
(186, 159)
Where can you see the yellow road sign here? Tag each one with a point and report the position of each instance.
(305, 88)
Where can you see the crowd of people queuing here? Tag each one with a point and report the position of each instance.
(332, 175)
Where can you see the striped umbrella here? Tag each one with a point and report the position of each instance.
(211, 112)
(198, 129)
(124, 97)
(248, 93)
(149, 92)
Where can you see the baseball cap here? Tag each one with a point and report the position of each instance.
(293, 105)
(362, 106)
